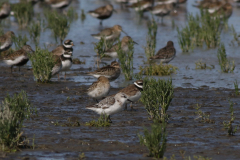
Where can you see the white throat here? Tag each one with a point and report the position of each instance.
(67, 56)
(138, 85)
(67, 46)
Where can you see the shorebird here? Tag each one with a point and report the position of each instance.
(6, 41)
(109, 33)
(58, 3)
(58, 65)
(166, 54)
(133, 91)
(103, 12)
(211, 5)
(19, 57)
(61, 48)
(162, 10)
(111, 72)
(142, 5)
(99, 89)
(66, 59)
(110, 105)
(112, 52)
(5, 10)
(224, 12)
(158, 2)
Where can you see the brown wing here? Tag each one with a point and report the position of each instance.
(93, 86)
(58, 51)
(165, 52)
(130, 90)
(138, 4)
(104, 104)
(57, 60)
(3, 38)
(114, 48)
(100, 10)
(15, 54)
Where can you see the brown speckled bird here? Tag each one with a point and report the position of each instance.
(6, 41)
(166, 54)
(103, 12)
(5, 10)
(112, 71)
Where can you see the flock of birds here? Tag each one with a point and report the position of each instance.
(100, 89)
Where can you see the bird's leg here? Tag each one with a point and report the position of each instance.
(101, 23)
(96, 100)
(65, 76)
(131, 106)
(125, 108)
(19, 69)
(109, 119)
(11, 69)
(58, 76)
(162, 20)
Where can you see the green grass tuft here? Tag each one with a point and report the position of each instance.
(101, 122)
(158, 70)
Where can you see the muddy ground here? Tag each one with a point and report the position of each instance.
(62, 104)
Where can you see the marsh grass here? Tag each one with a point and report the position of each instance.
(13, 111)
(195, 157)
(226, 65)
(126, 59)
(34, 30)
(42, 64)
(158, 70)
(71, 14)
(101, 122)
(102, 46)
(201, 29)
(235, 37)
(83, 16)
(156, 97)
(155, 140)
(205, 118)
(236, 87)
(19, 41)
(151, 38)
(202, 65)
(59, 23)
(23, 12)
(228, 124)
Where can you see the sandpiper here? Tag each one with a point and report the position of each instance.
(224, 12)
(112, 52)
(19, 57)
(142, 5)
(5, 10)
(211, 5)
(162, 10)
(66, 59)
(111, 72)
(110, 33)
(133, 91)
(110, 105)
(166, 54)
(58, 65)
(61, 48)
(158, 2)
(103, 12)
(99, 89)
(58, 3)
(6, 41)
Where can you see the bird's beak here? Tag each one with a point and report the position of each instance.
(135, 42)
(129, 100)
(72, 44)
(124, 32)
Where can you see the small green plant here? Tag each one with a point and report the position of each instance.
(59, 23)
(34, 31)
(19, 41)
(235, 36)
(158, 70)
(77, 61)
(126, 59)
(101, 122)
(155, 140)
(225, 64)
(156, 97)
(13, 111)
(23, 12)
(102, 46)
(72, 14)
(42, 64)
(228, 124)
(200, 30)
(81, 156)
(236, 87)
(83, 16)
(151, 38)
(205, 118)
(202, 65)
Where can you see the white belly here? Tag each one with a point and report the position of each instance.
(15, 61)
(59, 5)
(5, 45)
(135, 98)
(111, 54)
(66, 65)
(99, 92)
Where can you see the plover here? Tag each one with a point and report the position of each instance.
(103, 12)
(142, 5)
(58, 65)
(58, 3)
(110, 105)
(162, 10)
(133, 91)
(5, 10)
(111, 72)
(109, 33)
(99, 89)
(66, 59)
(19, 57)
(61, 48)
(6, 41)
(166, 54)
(112, 52)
